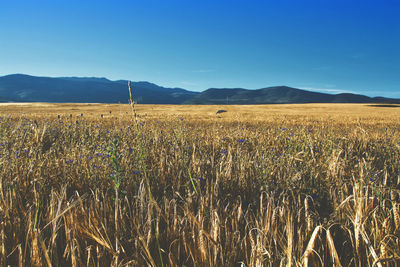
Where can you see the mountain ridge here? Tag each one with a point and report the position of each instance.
(279, 95)
(27, 88)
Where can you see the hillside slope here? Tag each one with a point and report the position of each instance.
(278, 95)
(25, 88)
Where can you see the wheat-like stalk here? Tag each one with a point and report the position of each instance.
(310, 246)
(202, 245)
(332, 249)
(307, 215)
(383, 250)
(36, 258)
(393, 195)
(396, 216)
(2, 243)
(290, 239)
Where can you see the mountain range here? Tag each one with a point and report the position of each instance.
(26, 88)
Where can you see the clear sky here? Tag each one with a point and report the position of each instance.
(326, 45)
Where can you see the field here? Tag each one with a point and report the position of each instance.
(268, 185)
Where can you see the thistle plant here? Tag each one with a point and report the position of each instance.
(153, 203)
(117, 178)
(115, 157)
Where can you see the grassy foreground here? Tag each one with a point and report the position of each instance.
(277, 185)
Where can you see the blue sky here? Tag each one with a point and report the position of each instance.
(325, 45)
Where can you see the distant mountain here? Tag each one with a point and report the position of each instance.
(278, 95)
(25, 88)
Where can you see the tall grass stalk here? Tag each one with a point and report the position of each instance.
(153, 203)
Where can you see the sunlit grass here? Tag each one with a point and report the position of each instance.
(262, 185)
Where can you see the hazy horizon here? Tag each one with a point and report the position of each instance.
(329, 47)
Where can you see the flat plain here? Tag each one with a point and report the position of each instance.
(265, 185)
(252, 112)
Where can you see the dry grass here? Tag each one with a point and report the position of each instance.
(273, 185)
(337, 113)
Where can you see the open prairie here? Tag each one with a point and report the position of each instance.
(337, 113)
(267, 185)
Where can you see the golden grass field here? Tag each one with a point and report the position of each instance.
(265, 185)
(341, 113)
